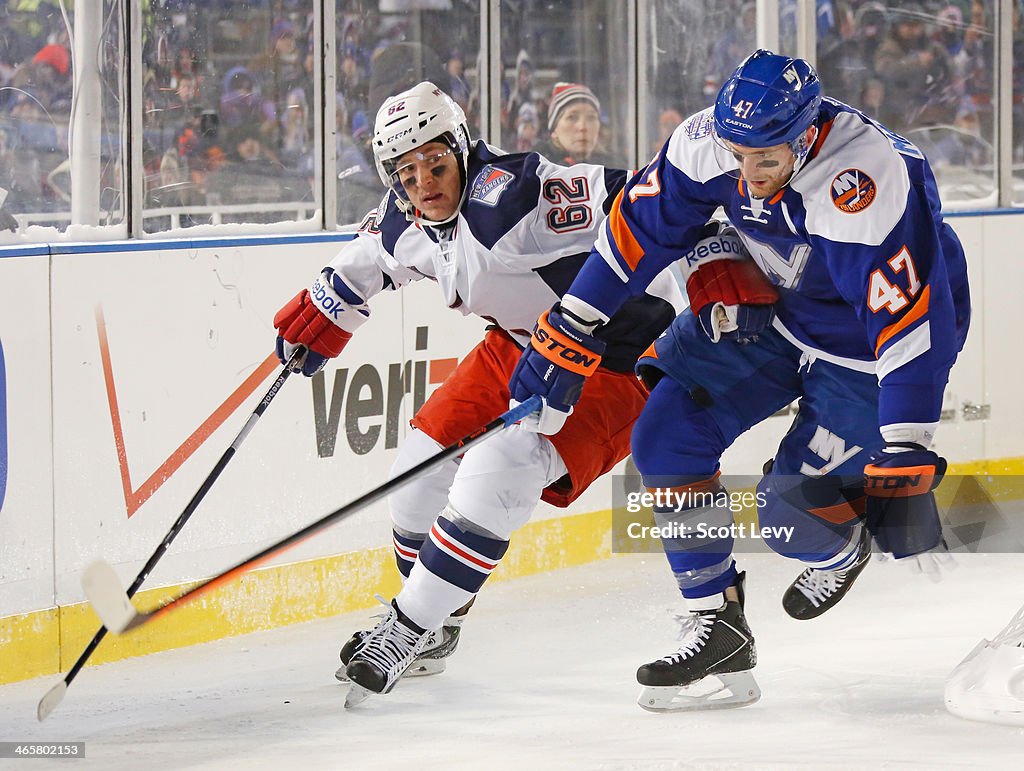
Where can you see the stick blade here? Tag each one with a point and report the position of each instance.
(49, 702)
(107, 596)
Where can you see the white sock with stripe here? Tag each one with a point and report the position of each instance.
(452, 566)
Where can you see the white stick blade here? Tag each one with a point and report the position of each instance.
(107, 596)
(49, 702)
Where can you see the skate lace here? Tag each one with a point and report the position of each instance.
(391, 645)
(819, 585)
(694, 631)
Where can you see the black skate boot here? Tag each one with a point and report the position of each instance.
(431, 660)
(385, 654)
(711, 669)
(815, 591)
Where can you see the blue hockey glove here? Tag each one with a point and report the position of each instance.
(554, 366)
(901, 512)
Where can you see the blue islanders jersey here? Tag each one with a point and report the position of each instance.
(869, 275)
(525, 228)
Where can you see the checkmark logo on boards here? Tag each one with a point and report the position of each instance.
(135, 497)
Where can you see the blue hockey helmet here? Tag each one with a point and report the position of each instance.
(769, 100)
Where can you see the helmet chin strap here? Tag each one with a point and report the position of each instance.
(801, 147)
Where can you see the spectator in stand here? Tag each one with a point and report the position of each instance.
(295, 129)
(199, 147)
(522, 92)
(574, 120)
(181, 107)
(667, 122)
(961, 144)
(458, 87)
(917, 73)
(352, 80)
(527, 128)
(185, 67)
(242, 104)
(280, 68)
(47, 77)
(358, 184)
(842, 62)
(872, 23)
(253, 175)
(872, 97)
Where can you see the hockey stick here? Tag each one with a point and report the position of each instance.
(113, 606)
(54, 696)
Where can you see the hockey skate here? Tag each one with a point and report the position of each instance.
(384, 655)
(711, 669)
(432, 659)
(816, 591)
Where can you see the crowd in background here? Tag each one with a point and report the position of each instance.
(915, 66)
(228, 96)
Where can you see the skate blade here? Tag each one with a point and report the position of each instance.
(357, 695)
(422, 668)
(728, 691)
(425, 667)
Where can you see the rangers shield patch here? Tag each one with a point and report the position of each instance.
(490, 184)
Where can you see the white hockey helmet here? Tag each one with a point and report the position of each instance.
(410, 120)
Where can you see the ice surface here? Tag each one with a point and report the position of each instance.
(544, 678)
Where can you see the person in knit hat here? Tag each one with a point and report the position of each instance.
(574, 120)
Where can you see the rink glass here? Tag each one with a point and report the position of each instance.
(201, 113)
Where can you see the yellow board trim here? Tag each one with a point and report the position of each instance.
(49, 641)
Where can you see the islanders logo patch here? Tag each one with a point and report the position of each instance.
(853, 191)
(700, 125)
(490, 184)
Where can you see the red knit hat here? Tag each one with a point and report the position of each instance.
(55, 55)
(563, 94)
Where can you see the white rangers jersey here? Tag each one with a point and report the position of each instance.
(525, 228)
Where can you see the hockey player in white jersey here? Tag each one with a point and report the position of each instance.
(872, 307)
(503, 236)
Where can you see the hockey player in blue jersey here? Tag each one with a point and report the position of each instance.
(843, 217)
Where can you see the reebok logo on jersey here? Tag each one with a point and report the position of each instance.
(490, 184)
(853, 191)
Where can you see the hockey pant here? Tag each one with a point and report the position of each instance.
(452, 527)
(811, 495)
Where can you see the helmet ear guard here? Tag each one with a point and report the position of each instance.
(410, 120)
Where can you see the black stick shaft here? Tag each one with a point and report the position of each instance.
(193, 504)
(512, 416)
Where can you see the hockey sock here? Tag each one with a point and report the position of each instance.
(407, 548)
(696, 533)
(452, 566)
(845, 555)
